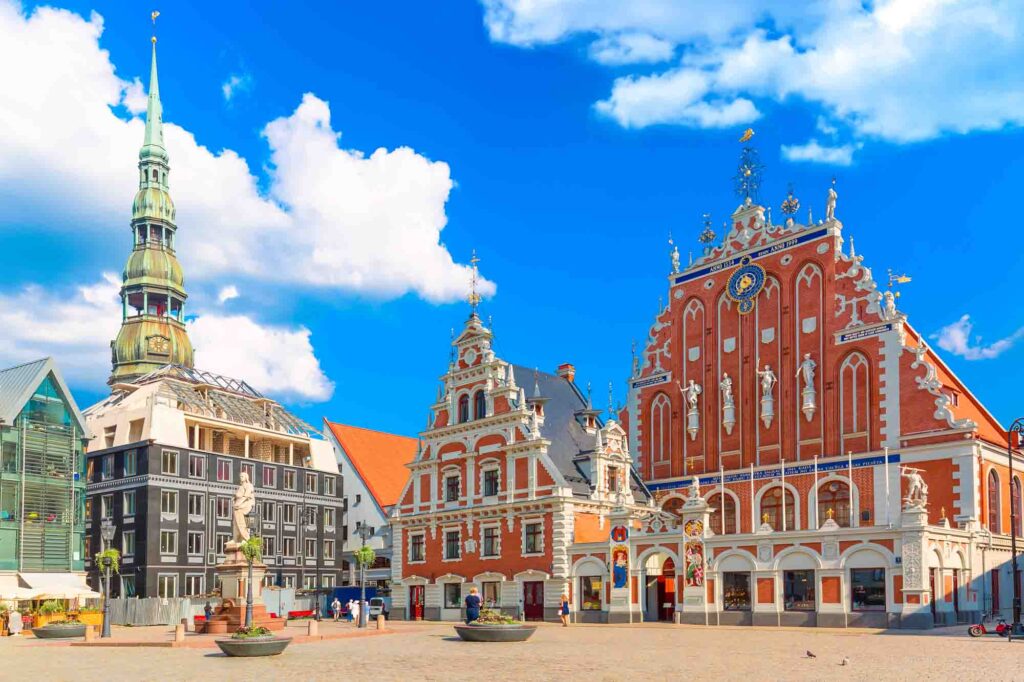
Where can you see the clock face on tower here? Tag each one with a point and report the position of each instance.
(159, 345)
(745, 284)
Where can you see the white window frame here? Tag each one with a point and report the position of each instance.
(133, 457)
(125, 496)
(226, 501)
(171, 455)
(309, 582)
(288, 580)
(269, 542)
(310, 476)
(446, 474)
(107, 467)
(329, 517)
(307, 544)
(328, 550)
(271, 473)
(288, 513)
(126, 550)
(522, 536)
(285, 542)
(190, 580)
(171, 495)
(193, 457)
(107, 506)
(490, 557)
(173, 534)
(227, 463)
(220, 546)
(264, 508)
(409, 558)
(160, 583)
(247, 468)
(485, 467)
(293, 475)
(330, 486)
(202, 503)
(444, 543)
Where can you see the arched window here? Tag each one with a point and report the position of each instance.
(156, 175)
(673, 505)
(771, 505)
(463, 408)
(661, 428)
(993, 501)
(479, 405)
(834, 496)
(724, 508)
(1015, 505)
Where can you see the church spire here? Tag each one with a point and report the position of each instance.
(153, 142)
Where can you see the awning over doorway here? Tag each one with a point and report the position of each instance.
(57, 586)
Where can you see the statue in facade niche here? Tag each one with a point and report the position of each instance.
(808, 394)
(728, 404)
(768, 380)
(726, 385)
(245, 500)
(692, 393)
(692, 390)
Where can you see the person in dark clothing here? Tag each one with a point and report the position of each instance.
(472, 605)
(208, 612)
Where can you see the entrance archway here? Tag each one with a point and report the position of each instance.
(659, 580)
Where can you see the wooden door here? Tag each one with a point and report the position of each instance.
(533, 600)
(416, 602)
(666, 597)
(931, 585)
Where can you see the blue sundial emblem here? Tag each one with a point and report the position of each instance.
(745, 283)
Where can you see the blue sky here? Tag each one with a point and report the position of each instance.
(562, 141)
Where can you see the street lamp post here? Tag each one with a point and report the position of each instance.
(252, 521)
(107, 531)
(1015, 432)
(312, 521)
(364, 533)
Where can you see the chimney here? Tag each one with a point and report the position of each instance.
(567, 371)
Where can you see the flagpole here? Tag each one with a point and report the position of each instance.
(815, 493)
(888, 521)
(753, 509)
(849, 475)
(783, 495)
(721, 495)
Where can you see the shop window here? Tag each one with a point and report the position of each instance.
(491, 594)
(772, 503)
(590, 593)
(736, 591)
(724, 513)
(479, 405)
(834, 496)
(452, 596)
(867, 587)
(798, 590)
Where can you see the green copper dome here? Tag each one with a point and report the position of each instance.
(156, 267)
(154, 203)
(148, 343)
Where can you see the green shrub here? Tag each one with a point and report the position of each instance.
(51, 607)
(251, 633)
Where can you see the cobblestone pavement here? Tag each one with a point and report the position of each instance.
(656, 652)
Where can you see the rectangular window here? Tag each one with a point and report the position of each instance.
(128, 542)
(288, 513)
(289, 479)
(107, 467)
(224, 471)
(491, 546)
(168, 542)
(288, 581)
(223, 508)
(107, 507)
(131, 462)
(268, 512)
(452, 596)
(491, 594)
(329, 517)
(88, 511)
(193, 585)
(222, 541)
(736, 591)
(195, 505)
(127, 585)
(328, 549)
(169, 464)
(168, 502)
(416, 547)
(269, 477)
(330, 485)
(490, 482)
(798, 590)
(451, 544)
(288, 547)
(195, 543)
(867, 587)
(533, 538)
(328, 581)
(310, 483)
(269, 546)
(451, 488)
(309, 582)
(590, 593)
(196, 466)
(128, 501)
(167, 586)
(310, 552)
(249, 470)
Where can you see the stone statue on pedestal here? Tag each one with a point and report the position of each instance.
(245, 500)
(691, 392)
(808, 394)
(917, 489)
(768, 381)
(728, 404)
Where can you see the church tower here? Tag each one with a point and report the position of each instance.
(153, 294)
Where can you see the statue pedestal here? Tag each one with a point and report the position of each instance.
(233, 573)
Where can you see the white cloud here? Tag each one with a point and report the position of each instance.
(227, 293)
(812, 151)
(77, 326)
(899, 70)
(631, 48)
(235, 84)
(274, 359)
(956, 338)
(365, 224)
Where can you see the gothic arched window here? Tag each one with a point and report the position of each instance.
(724, 508)
(834, 495)
(661, 428)
(1015, 505)
(772, 504)
(993, 501)
(463, 408)
(479, 405)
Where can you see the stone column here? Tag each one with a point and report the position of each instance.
(621, 569)
(692, 581)
(917, 611)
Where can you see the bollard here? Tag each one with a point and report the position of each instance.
(187, 622)
(314, 629)
(179, 633)
(90, 633)
(381, 622)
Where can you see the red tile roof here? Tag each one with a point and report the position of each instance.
(379, 458)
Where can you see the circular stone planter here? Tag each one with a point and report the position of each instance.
(495, 633)
(254, 646)
(59, 631)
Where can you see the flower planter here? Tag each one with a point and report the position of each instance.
(90, 618)
(517, 632)
(59, 631)
(254, 646)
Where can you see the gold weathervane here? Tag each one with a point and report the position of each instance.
(897, 279)
(747, 134)
(153, 15)
(474, 297)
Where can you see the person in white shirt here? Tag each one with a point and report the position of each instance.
(336, 609)
(354, 609)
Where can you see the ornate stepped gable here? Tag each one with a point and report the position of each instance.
(777, 343)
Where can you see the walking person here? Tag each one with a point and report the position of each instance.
(354, 610)
(473, 602)
(563, 610)
(336, 609)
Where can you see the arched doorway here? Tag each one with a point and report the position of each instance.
(659, 588)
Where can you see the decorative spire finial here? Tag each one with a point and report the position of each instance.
(611, 403)
(474, 297)
(153, 15)
(707, 235)
(790, 205)
(536, 382)
(590, 404)
(748, 175)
